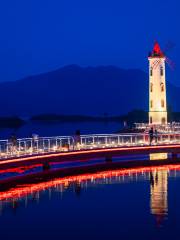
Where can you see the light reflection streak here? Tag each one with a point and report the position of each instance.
(19, 170)
(158, 177)
(159, 190)
(159, 194)
(24, 190)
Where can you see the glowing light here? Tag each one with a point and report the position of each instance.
(54, 148)
(141, 149)
(158, 156)
(24, 190)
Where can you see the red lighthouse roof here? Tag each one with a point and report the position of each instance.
(156, 52)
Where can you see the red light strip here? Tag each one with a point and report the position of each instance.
(81, 152)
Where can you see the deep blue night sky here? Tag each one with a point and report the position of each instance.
(42, 35)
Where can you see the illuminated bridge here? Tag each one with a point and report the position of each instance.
(66, 148)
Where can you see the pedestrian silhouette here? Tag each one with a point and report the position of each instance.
(151, 135)
(156, 135)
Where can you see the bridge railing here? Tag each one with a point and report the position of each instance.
(163, 128)
(30, 146)
(42, 145)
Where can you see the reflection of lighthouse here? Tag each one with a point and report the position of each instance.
(159, 194)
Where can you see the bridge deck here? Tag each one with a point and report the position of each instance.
(88, 153)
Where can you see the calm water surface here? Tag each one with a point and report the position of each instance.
(122, 204)
(59, 129)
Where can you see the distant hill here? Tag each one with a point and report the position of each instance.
(11, 122)
(131, 117)
(73, 90)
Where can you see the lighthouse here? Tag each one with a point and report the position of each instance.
(157, 86)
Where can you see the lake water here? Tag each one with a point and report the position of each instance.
(59, 129)
(122, 204)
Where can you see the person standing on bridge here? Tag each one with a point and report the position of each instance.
(35, 138)
(13, 142)
(151, 135)
(156, 135)
(77, 139)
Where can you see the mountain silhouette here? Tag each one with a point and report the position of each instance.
(76, 90)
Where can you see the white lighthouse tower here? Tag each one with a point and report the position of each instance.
(157, 87)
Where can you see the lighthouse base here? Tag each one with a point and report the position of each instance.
(157, 118)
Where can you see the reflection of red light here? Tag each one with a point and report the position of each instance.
(19, 169)
(24, 190)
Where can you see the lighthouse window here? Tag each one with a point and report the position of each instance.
(151, 71)
(151, 88)
(151, 103)
(150, 119)
(162, 87)
(162, 103)
(161, 71)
